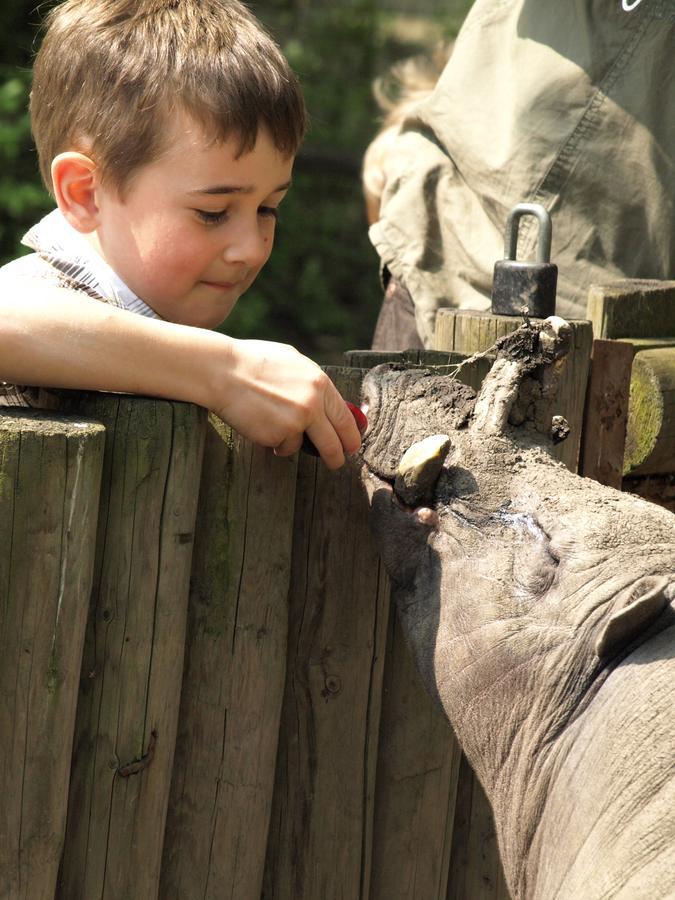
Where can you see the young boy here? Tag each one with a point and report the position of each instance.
(166, 132)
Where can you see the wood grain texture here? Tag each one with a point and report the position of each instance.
(368, 359)
(234, 675)
(50, 471)
(320, 840)
(475, 870)
(132, 661)
(603, 439)
(632, 308)
(417, 774)
(470, 331)
(418, 760)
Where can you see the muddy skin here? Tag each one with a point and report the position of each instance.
(538, 606)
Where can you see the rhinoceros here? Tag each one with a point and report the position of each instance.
(538, 606)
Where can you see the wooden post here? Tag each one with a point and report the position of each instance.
(418, 761)
(322, 818)
(471, 331)
(235, 664)
(132, 663)
(606, 413)
(642, 313)
(632, 309)
(417, 773)
(368, 359)
(650, 438)
(475, 868)
(50, 471)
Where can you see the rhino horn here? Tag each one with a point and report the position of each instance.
(419, 469)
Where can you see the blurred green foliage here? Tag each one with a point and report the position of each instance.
(23, 198)
(320, 291)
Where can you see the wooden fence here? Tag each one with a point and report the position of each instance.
(204, 692)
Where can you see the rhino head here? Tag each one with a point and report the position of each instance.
(538, 606)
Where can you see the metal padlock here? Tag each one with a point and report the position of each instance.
(525, 288)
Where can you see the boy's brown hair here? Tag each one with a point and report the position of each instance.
(110, 74)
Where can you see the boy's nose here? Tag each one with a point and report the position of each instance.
(250, 245)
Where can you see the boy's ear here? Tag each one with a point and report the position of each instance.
(74, 178)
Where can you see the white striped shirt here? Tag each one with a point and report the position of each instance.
(63, 257)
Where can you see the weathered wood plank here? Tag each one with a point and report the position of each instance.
(320, 839)
(455, 365)
(417, 772)
(658, 489)
(368, 359)
(132, 663)
(475, 870)
(50, 472)
(235, 665)
(632, 309)
(418, 762)
(650, 437)
(470, 331)
(649, 343)
(603, 437)
(484, 875)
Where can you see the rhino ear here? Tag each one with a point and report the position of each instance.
(635, 609)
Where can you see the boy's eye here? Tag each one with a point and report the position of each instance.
(212, 218)
(269, 211)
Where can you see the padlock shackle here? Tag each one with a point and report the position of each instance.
(545, 231)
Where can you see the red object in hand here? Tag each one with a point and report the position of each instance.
(359, 416)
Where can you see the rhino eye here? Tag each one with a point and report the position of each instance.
(534, 563)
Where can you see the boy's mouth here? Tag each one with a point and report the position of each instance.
(221, 285)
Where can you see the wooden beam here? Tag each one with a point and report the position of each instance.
(368, 359)
(235, 666)
(418, 760)
(50, 473)
(417, 774)
(127, 713)
(632, 309)
(321, 829)
(606, 413)
(475, 868)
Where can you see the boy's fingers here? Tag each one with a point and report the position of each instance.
(289, 445)
(343, 421)
(328, 445)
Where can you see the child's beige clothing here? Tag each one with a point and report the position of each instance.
(567, 104)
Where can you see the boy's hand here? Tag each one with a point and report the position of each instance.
(275, 396)
(269, 392)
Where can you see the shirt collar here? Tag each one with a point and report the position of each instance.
(56, 241)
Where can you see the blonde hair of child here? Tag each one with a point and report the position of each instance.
(407, 84)
(110, 76)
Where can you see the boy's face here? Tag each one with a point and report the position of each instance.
(196, 226)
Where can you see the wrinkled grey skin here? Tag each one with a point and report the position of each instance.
(539, 608)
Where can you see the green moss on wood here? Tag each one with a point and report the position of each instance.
(645, 417)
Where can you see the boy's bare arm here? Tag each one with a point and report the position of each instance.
(268, 392)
